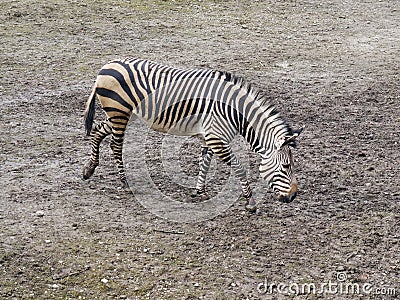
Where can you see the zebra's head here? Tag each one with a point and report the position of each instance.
(277, 168)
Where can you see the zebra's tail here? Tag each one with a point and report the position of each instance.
(89, 111)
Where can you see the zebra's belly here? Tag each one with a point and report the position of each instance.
(189, 126)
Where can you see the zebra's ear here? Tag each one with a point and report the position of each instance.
(291, 140)
(298, 131)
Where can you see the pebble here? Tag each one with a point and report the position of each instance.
(363, 277)
(104, 280)
(340, 268)
(39, 213)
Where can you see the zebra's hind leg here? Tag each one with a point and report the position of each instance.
(205, 161)
(224, 152)
(117, 141)
(99, 132)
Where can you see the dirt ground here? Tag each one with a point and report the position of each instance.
(332, 66)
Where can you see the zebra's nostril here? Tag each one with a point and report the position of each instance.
(287, 198)
(283, 199)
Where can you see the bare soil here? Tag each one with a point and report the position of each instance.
(332, 66)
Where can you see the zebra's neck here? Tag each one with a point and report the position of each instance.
(262, 126)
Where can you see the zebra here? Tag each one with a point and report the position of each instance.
(210, 104)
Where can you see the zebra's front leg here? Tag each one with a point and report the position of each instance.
(99, 132)
(246, 195)
(116, 147)
(224, 151)
(204, 166)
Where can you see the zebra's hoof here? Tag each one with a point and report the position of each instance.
(202, 195)
(251, 205)
(88, 171)
(252, 208)
(124, 185)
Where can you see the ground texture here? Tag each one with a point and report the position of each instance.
(332, 66)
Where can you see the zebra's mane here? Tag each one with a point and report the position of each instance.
(260, 97)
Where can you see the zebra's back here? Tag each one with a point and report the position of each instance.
(168, 99)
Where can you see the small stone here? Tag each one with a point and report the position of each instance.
(340, 268)
(363, 277)
(39, 213)
(104, 280)
(196, 284)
